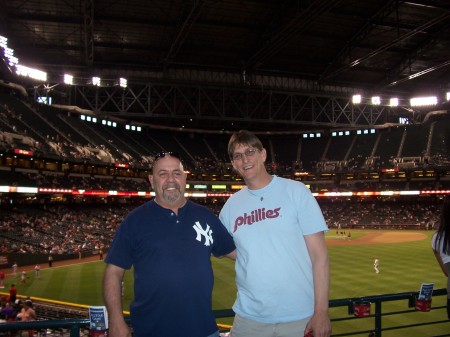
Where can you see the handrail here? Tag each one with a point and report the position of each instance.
(378, 300)
(74, 325)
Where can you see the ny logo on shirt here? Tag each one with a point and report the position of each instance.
(207, 233)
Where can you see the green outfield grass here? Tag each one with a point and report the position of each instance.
(404, 267)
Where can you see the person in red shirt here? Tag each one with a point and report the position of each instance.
(12, 293)
(2, 278)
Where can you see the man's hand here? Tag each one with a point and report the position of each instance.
(319, 326)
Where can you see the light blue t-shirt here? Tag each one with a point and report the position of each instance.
(273, 268)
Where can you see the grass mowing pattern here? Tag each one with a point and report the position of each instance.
(403, 267)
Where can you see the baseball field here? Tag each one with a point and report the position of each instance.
(406, 261)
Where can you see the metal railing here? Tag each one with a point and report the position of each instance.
(74, 326)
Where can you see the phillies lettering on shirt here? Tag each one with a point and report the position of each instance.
(257, 215)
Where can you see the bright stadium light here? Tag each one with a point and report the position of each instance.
(68, 79)
(31, 73)
(123, 82)
(3, 42)
(448, 96)
(356, 99)
(376, 100)
(96, 81)
(393, 101)
(423, 101)
(8, 52)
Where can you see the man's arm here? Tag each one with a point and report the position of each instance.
(112, 293)
(320, 322)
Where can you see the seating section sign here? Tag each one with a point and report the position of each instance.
(98, 317)
(426, 291)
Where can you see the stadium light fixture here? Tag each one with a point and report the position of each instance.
(123, 82)
(376, 100)
(448, 96)
(305, 135)
(356, 99)
(88, 118)
(423, 101)
(318, 135)
(31, 73)
(393, 101)
(3, 42)
(68, 79)
(96, 81)
(8, 52)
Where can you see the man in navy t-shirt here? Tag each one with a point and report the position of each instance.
(169, 241)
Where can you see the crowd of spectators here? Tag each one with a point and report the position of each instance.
(58, 229)
(78, 228)
(16, 310)
(381, 213)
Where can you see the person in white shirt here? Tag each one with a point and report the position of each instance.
(282, 266)
(376, 265)
(441, 246)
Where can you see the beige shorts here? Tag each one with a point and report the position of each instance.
(243, 327)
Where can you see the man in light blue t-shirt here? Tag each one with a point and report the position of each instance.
(282, 267)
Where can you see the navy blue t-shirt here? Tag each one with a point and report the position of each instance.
(173, 277)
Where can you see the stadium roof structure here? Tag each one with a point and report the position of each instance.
(314, 47)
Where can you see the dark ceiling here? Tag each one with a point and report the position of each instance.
(369, 44)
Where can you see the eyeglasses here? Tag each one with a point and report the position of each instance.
(250, 152)
(162, 154)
